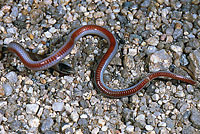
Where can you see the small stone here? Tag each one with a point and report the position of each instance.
(177, 49)
(69, 79)
(12, 77)
(104, 128)
(101, 122)
(160, 1)
(155, 97)
(74, 116)
(36, 16)
(14, 12)
(48, 34)
(141, 119)
(149, 127)
(15, 125)
(2, 93)
(130, 129)
(52, 21)
(169, 31)
(189, 130)
(178, 33)
(99, 22)
(95, 130)
(83, 9)
(47, 124)
(180, 94)
(146, 3)
(130, 16)
(195, 118)
(162, 124)
(169, 39)
(194, 58)
(7, 89)
(28, 81)
(152, 41)
(68, 108)
(160, 60)
(132, 52)
(58, 106)
(47, 2)
(150, 50)
(32, 108)
(34, 122)
(8, 40)
(165, 11)
(190, 89)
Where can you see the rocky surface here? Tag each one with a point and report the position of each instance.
(152, 35)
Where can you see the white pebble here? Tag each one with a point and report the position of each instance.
(130, 128)
(32, 108)
(34, 122)
(12, 77)
(149, 128)
(155, 97)
(8, 40)
(74, 116)
(48, 34)
(58, 106)
(95, 130)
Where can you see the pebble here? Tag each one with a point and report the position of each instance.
(194, 58)
(34, 122)
(180, 94)
(48, 34)
(47, 124)
(132, 52)
(58, 106)
(152, 41)
(130, 129)
(162, 124)
(32, 108)
(7, 89)
(12, 77)
(158, 57)
(155, 97)
(177, 49)
(69, 79)
(190, 89)
(8, 40)
(151, 49)
(178, 33)
(95, 130)
(195, 118)
(149, 127)
(74, 116)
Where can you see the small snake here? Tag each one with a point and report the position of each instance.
(107, 57)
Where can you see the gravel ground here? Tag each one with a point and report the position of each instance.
(152, 35)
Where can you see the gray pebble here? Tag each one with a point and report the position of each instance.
(15, 125)
(7, 89)
(32, 108)
(12, 77)
(189, 130)
(146, 3)
(74, 116)
(178, 33)
(195, 118)
(47, 124)
(14, 12)
(58, 106)
(183, 60)
(83, 122)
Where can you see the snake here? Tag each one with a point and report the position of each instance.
(65, 49)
